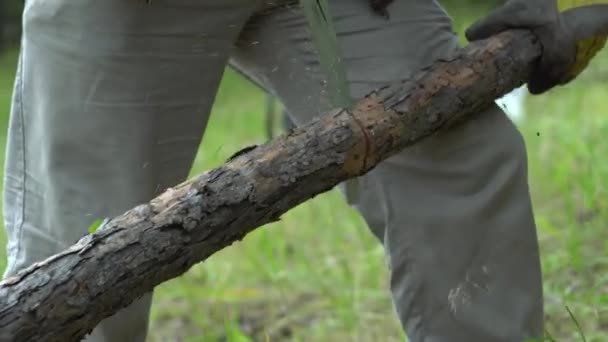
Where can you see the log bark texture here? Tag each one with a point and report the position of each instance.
(63, 297)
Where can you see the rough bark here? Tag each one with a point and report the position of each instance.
(63, 297)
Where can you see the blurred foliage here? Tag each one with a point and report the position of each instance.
(10, 22)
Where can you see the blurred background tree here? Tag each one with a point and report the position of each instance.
(10, 22)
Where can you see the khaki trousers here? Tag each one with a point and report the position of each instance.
(112, 98)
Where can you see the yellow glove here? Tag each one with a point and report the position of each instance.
(585, 49)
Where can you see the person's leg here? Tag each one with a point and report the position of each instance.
(453, 212)
(110, 102)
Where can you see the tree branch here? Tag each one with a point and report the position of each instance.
(63, 297)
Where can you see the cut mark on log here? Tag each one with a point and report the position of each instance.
(366, 142)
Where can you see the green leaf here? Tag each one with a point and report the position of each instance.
(235, 334)
(95, 225)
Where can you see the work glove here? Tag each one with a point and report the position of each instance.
(589, 25)
(568, 42)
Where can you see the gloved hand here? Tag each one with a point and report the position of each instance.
(589, 25)
(569, 39)
(544, 20)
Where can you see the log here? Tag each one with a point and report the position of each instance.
(63, 297)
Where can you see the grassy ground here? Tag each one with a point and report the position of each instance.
(318, 275)
(7, 74)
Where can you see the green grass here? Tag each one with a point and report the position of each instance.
(318, 275)
(8, 62)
